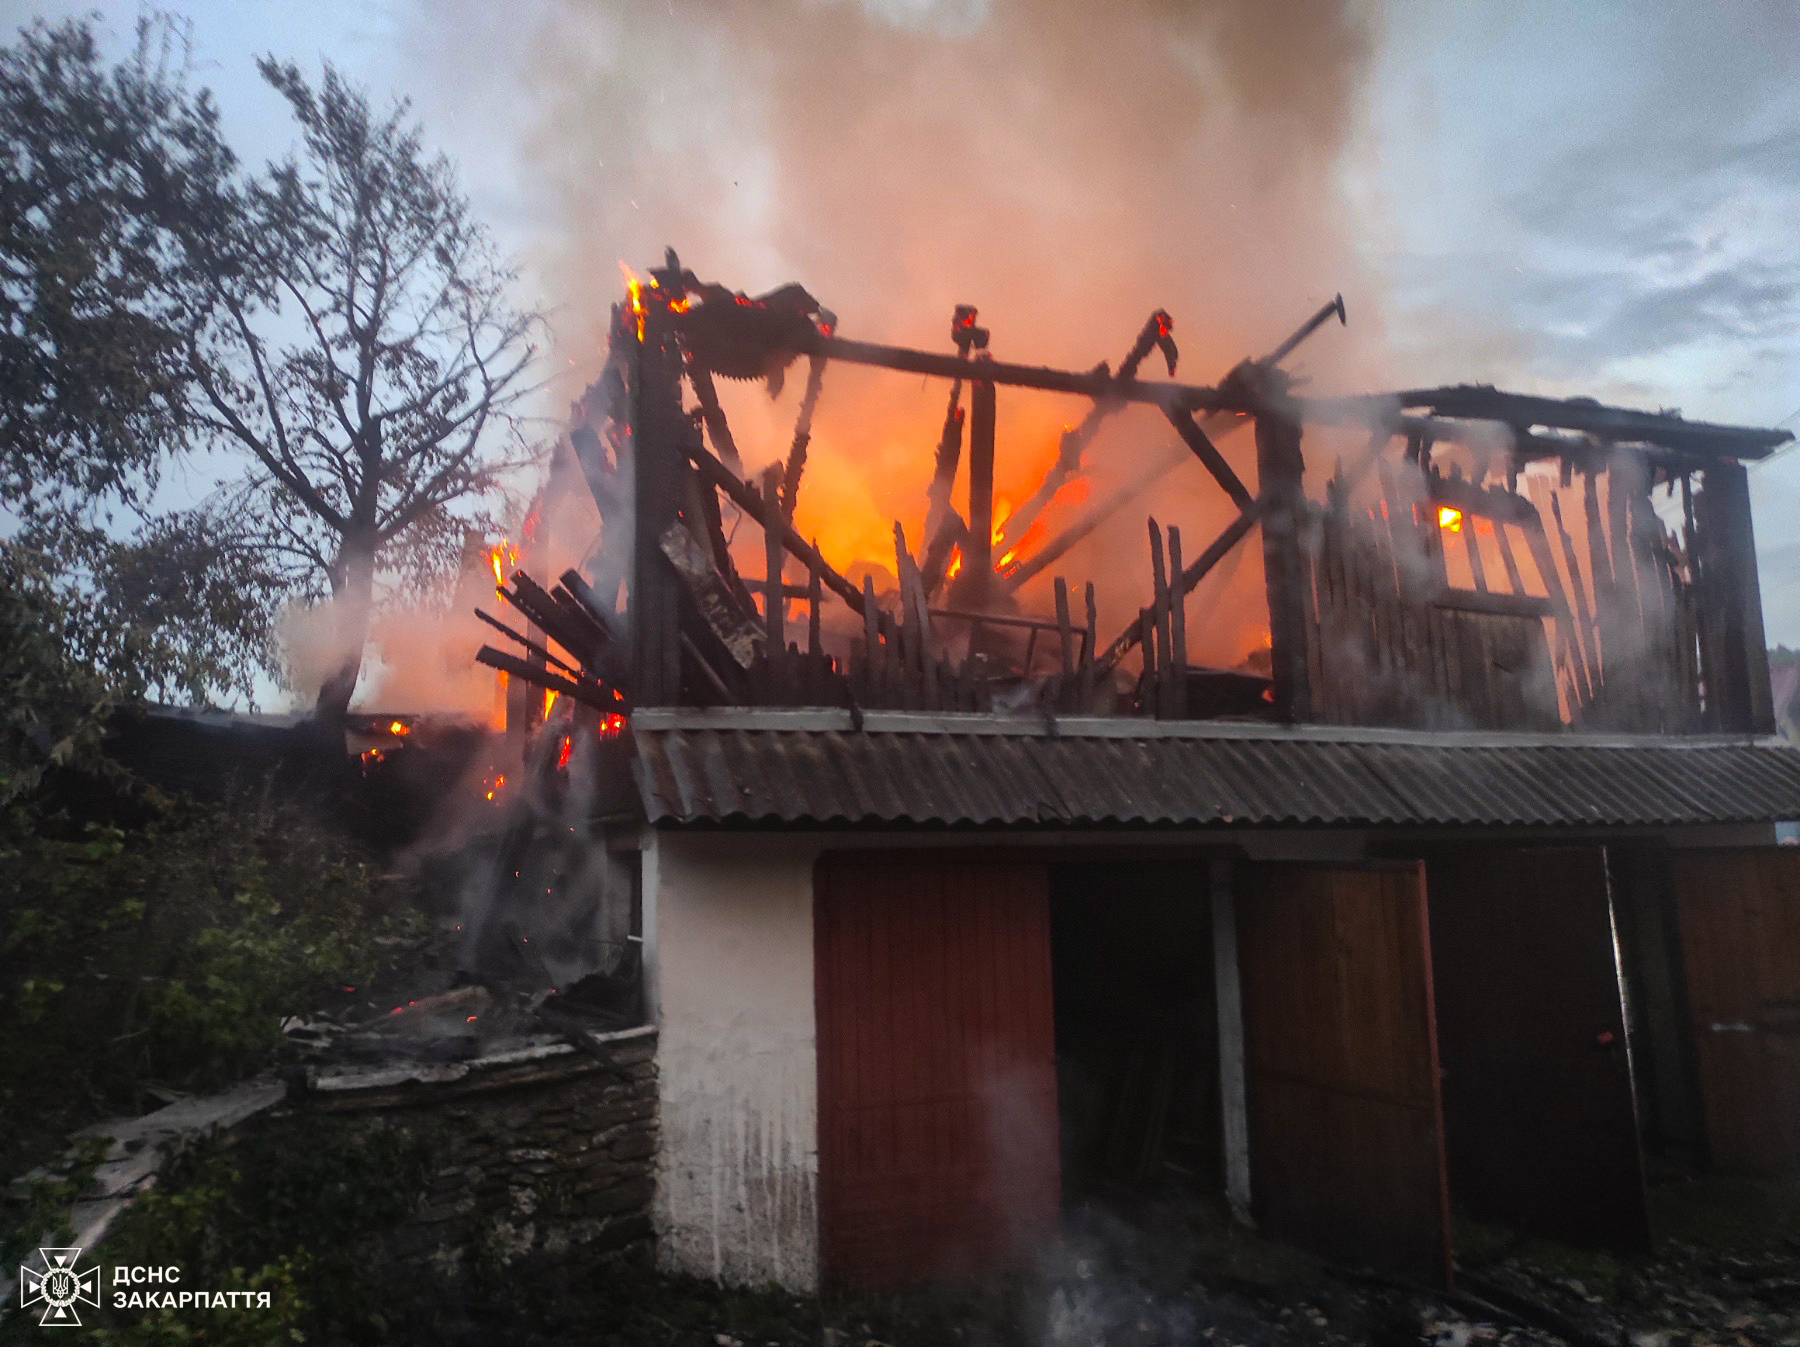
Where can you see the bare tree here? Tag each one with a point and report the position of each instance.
(360, 343)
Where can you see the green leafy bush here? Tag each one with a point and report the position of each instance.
(168, 953)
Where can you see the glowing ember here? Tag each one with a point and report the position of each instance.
(399, 728)
(495, 786)
(612, 725)
(562, 753)
(1450, 520)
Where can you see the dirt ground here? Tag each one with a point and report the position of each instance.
(1726, 1273)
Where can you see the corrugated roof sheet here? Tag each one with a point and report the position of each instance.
(812, 768)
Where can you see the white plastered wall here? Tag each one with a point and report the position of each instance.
(729, 922)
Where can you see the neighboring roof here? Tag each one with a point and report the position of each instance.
(815, 768)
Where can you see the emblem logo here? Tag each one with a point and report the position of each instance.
(59, 1287)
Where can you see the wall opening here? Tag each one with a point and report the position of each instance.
(1136, 1030)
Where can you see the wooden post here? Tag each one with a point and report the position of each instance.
(1279, 471)
(1228, 995)
(657, 426)
(774, 592)
(1738, 682)
(978, 549)
(1176, 674)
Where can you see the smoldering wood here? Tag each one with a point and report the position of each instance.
(530, 646)
(711, 597)
(795, 465)
(513, 667)
(712, 415)
(951, 534)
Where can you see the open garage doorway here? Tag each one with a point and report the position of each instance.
(1136, 1029)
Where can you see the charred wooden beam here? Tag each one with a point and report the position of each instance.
(532, 647)
(1197, 440)
(1499, 505)
(978, 548)
(796, 458)
(746, 499)
(1305, 330)
(658, 426)
(1279, 472)
(1492, 604)
(1726, 546)
(1095, 383)
(513, 667)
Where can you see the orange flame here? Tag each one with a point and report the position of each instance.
(399, 728)
(502, 557)
(634, 296)
(1449, 519)
(612, 725)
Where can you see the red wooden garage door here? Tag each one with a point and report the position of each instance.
(937, 1065)
(1341, 1070)
(1740, 939)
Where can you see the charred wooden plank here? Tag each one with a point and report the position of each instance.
(513, 667)
(712, 599)
(531, 646)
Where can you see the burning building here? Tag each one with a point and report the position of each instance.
(964, 888)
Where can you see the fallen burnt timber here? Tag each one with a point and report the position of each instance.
(1490, 560)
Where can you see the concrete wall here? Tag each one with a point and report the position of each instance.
(729, 922)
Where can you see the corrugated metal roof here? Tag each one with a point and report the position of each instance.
(813, 768)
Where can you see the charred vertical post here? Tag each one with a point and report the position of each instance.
(1280, 469)
(775, 594)
(1738, 682)
(657, 426)
(979, 566)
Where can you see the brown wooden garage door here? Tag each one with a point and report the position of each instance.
(1740, 938)
(937, 1065)
(1341, 1072)
(1538, 1107)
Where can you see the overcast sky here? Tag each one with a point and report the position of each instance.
(1568, 198)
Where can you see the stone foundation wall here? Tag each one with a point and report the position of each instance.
(536, 1156)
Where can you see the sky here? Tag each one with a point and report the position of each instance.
(1569, 199)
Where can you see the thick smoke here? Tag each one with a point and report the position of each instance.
(1065, 166)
